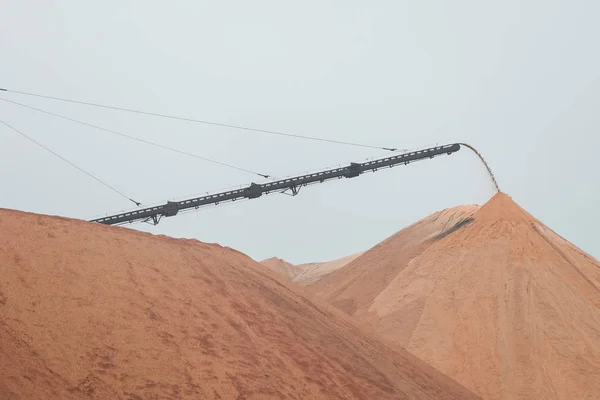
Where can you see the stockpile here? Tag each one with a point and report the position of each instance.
(96, 312)
(494, 299)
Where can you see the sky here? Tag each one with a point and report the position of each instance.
(519, 80)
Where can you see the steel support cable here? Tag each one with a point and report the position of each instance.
(71, 163)
(138, 139)
(240, 127)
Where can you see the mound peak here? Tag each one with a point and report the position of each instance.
(274, 259)
(281, 267)
(501, 207)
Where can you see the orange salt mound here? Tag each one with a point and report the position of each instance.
(95, 312)
(501, 303)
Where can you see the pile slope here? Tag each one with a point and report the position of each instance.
(281, 267)
(502, 304)
(354, 287)
(90, 311)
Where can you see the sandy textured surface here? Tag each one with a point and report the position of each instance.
(281, 267)
(503, 304)
(354, 287)
(88, 311)
(25, 375)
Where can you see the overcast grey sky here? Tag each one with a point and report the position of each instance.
(520, 80)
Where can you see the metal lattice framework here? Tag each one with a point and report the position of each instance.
(254, 190)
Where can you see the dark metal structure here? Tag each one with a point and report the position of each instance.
(255, 190)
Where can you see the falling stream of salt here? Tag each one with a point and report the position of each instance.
(484, 163)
